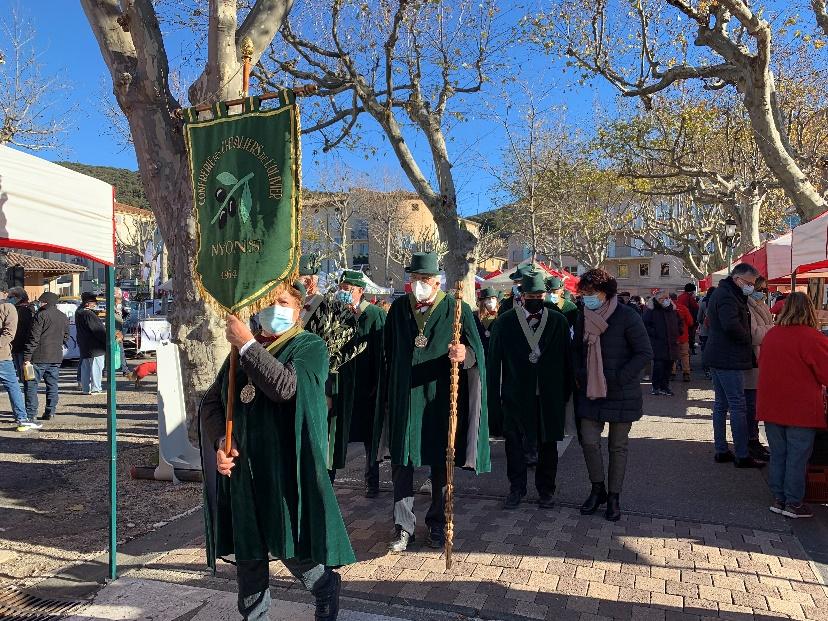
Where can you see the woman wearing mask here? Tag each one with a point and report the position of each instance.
(611, 349)
(761, 321)
(793, 373)
(488, 301)
(664, 327)
(273, 498)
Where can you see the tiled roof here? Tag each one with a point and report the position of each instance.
(39, 264)
(135, 211)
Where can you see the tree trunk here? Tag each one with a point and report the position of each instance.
(750, 203)
(459, 263)
(760, 102)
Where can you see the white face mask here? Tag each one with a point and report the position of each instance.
(491, 304)
(422, 290)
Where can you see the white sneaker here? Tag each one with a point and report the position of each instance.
(34, 425)
(425, 488)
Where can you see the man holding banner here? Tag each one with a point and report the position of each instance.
(265, 418)
(413, 406)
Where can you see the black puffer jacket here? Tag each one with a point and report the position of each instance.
(625, 350)
(25, 316)
(50, 331)
(664, 326)
(729, 344)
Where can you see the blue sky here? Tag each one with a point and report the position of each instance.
(70, 50)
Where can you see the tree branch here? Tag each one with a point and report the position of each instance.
(821, 14)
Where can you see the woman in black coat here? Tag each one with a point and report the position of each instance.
(664, 327)
(611, 349)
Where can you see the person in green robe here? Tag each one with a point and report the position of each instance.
(556, 300)
(273, 499)
(529, 373)
(488, 301)
(413, 404)
(309, 266)
(355, 398)
(516, 276)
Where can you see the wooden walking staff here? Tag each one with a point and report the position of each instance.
(452, 428)
(247, 57)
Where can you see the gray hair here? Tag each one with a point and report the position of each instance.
(19, 293)
(745, 269)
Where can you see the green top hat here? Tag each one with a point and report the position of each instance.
(488, 292)
(309, 265)
(521, 271)
(553, 283)
(353, 277)
(533, 282)
(424, 263)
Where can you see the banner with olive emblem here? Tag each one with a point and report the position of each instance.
(245, 172)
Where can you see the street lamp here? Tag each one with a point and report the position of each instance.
(730, 237)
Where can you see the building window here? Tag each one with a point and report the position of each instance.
(572, 269)
(361, 249)
(623, 270)
(644, 270)
(665, 270)
(360, 230)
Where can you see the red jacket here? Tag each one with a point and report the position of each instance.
(686, 322)
(793, 368)
(688, 300)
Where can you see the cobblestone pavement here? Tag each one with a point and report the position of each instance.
(556, 564)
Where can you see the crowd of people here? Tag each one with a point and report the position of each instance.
(526, 363)
(33, 342)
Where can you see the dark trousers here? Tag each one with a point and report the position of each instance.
(51, 374)
(516, 466)
(253, 578)
(403, 477)
(750, 415)
(661, 374)
(371, 470)
(691, 333)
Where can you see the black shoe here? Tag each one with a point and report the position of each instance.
(513, 500)
(613, 512)
(749, 462)
(596, 498)
(327, 601)
(546, 501)
(371, 492)
(436, 538)
(666, 393)
(46, 417)
(758, 451)
(655, 392)
(401, 541)
(724, 458)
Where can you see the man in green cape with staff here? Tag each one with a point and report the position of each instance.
(273, 498)
(413, 404)
(530, 380)
(355, 398)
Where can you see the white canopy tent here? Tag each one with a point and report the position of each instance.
(809, 248)
(46, 207)
(779, 256)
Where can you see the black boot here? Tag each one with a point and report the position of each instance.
(327, 599)
(597, 497)
(613, 513)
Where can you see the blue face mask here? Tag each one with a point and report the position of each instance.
(592, 302)
(758, 296)
(516, 291)
(12, 300)
(747, 289)
(276, 319)
(553, 298)
(346, 297)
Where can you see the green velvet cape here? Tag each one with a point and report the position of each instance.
(355, 399)
(279, 501)
(568, 310)
(412, 408)
(514, 381)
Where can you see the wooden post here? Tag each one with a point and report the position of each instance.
(247, 58)
(452, 428)
(231, 400)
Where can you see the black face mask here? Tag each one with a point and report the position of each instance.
(533, 306)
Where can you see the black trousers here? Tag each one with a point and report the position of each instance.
(516, 466)
(403, 477)
(661, 374)
(371, 470)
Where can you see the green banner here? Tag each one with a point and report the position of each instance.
(245, 172)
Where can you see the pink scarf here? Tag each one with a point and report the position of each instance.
(595, 324)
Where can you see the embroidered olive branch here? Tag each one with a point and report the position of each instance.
(227, 178)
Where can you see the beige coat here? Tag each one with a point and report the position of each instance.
(8, 328)
(761, 321)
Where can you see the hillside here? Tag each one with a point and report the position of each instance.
(127, 183)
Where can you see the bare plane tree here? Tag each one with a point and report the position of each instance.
(30, 114)
(644, 48)
(132, 45)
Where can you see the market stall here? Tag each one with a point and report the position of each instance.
(500, 279)
(49, 208)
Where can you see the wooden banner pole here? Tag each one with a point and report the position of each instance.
(247, 57)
